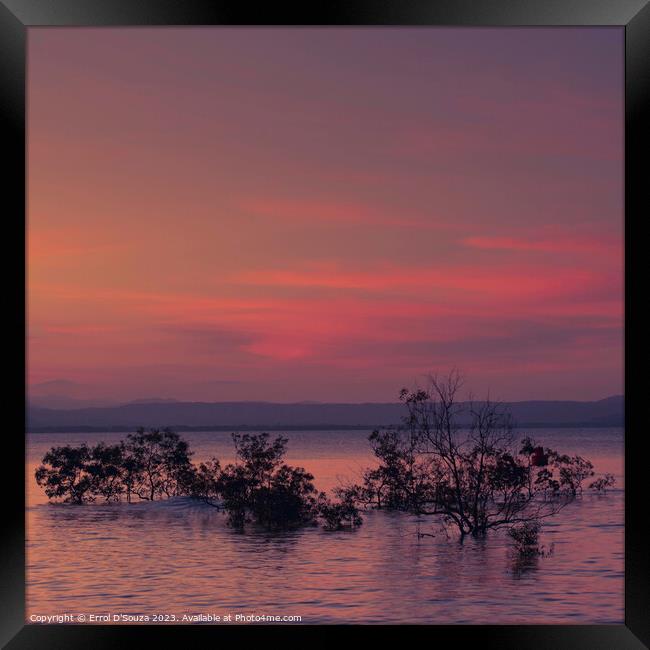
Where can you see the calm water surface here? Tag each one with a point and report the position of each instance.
(179, 557)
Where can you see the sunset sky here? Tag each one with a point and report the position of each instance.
(324, 214)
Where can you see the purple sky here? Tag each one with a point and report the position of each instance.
(325, 214)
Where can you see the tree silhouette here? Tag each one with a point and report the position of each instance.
(105, 466)
(159, 464)
(459, 461)
(261, 488)
(454, 459)
(64, 474)
(342, 514)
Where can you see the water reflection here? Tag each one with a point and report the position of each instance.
(180, 557)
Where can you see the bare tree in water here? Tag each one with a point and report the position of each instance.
(459, 460)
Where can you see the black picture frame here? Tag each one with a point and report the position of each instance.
(17, 16)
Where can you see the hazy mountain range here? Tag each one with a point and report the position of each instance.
(269, 415)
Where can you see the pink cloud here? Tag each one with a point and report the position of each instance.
(507, 282)
(554, 245)
(326, 230)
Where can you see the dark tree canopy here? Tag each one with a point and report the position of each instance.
(64, 474)
(261, 488)
(105, 466)
(459, 460)
(159, 464)
(149, 465)
(258, 488)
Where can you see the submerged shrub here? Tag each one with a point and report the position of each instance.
(106, 467)
(64, 474)
(526, 550)
(525, 538)
(159, 464)
(149, 465)
(343, 514)
(459, 461)
(601, 484)
(205, 482)
(261, 488)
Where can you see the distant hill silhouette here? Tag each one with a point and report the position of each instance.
(269, 415)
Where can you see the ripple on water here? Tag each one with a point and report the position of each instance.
(180, 555)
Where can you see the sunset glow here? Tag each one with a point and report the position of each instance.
(287, 215)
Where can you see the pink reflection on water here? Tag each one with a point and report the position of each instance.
(179, 557)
